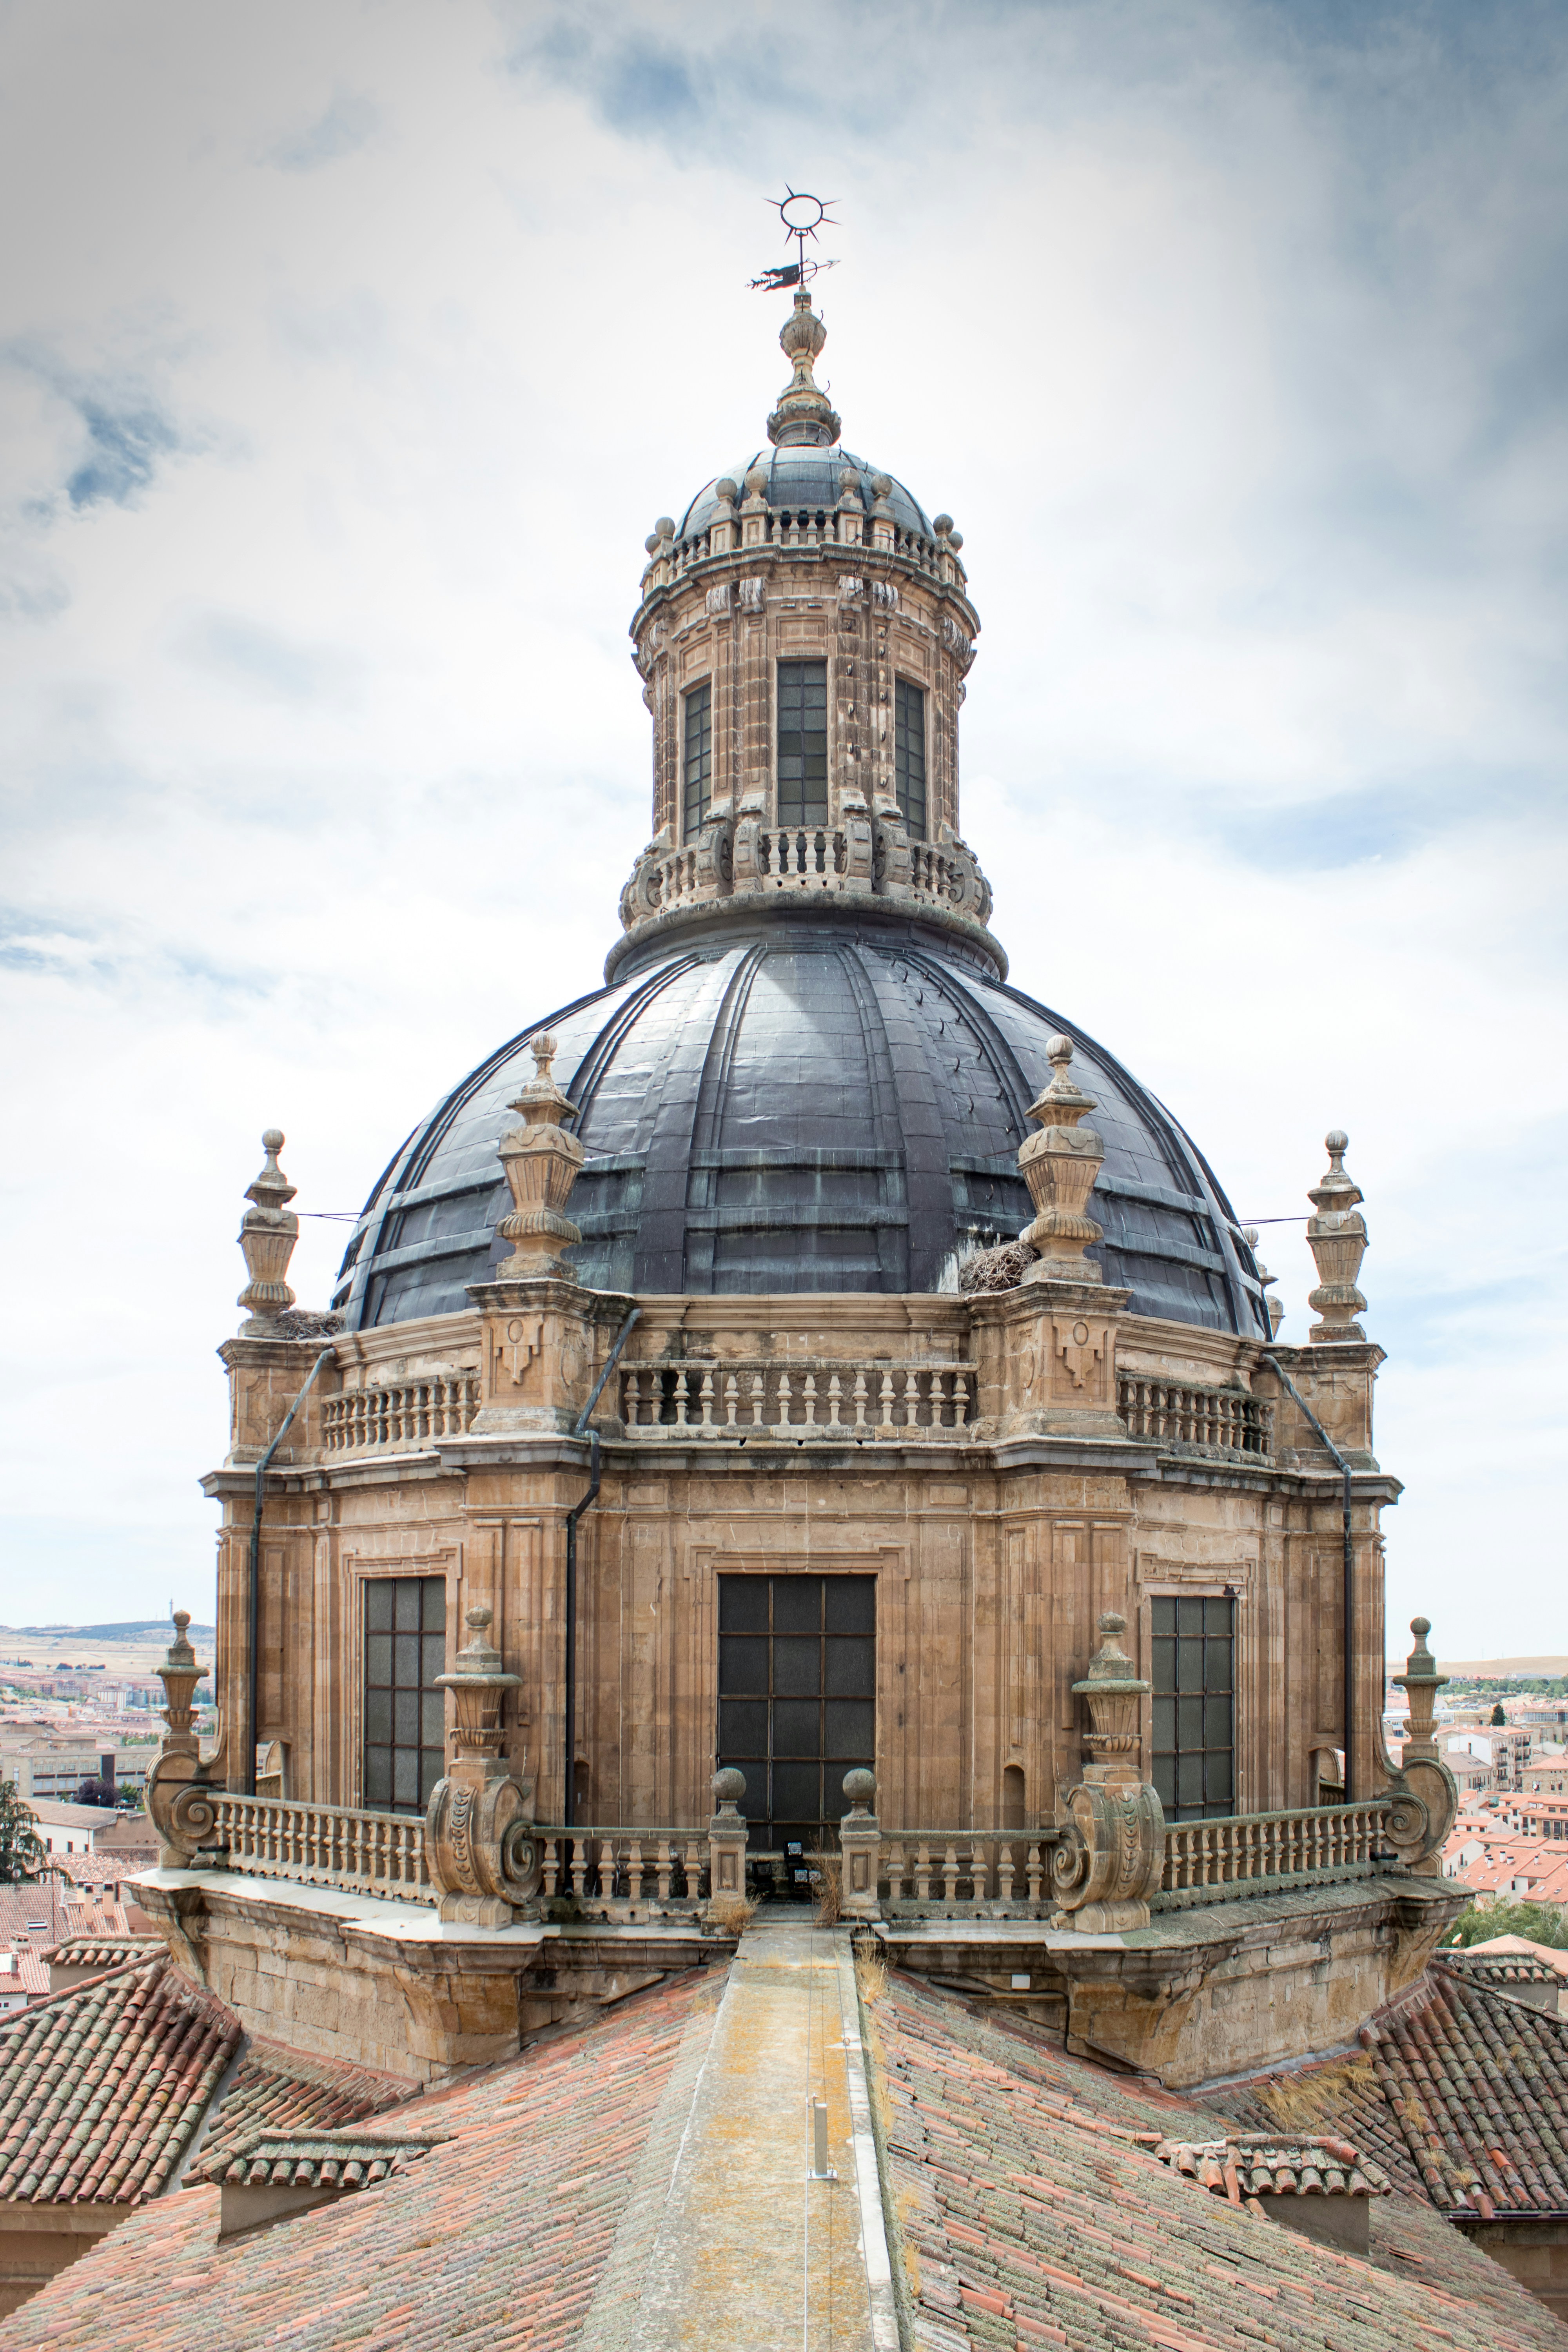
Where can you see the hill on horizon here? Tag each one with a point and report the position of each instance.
(132, 1629)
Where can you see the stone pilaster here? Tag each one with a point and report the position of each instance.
(537, 1355)
(1058, 1359)
(860, 1845)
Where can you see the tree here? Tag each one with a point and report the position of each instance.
(1538, 1923)
(23, 1858)
(1498, 1715)
(95, 1793)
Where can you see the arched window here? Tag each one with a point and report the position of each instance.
(910, 755)
(697, 759)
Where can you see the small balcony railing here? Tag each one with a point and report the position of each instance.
(1265, 1853)
(320, 1845)
(1214, 1424)
(406, 1416)
(850, 1399)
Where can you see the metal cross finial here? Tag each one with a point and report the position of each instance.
(802, 215)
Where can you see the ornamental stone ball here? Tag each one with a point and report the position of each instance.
(729, 1786)
(860, 1786)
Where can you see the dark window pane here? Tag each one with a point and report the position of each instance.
(1190, 1780)
(405, 1661)
(851, 1604)
(742, 1723)
(406, 1603)
(1163, 1663)
(406, 1776)
(852, 1667)
(1217, 1617)
(851, 1727)
(742, 1665)
(378, 1608)
(1164, 1726)
(378, 1716)
(1189, 1722)
(1216, 1723)
(743, 1605)
(405, 1719)
(803, 743)
(798, 1604)
(433, 1657)
(432, 1764)
(696, 760)
(1189, 1617)
(1163, 1614)
(1165, 1781)
(433, 1720)
(1189, 1665)
(797, 1792)
(797, 1727)
(797, 1665)
(378, 1776)
(378, 1659)
(1219, 1777)
(1217, 1665)
(910, 755)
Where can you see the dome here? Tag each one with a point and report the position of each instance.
(794, 1104)
(805, 479)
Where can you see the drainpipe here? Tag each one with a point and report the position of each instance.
(253, 1593)
(572, 1516)
(1348, 1699)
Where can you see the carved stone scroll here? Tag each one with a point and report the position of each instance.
(1111, 1854)
(479, 1846)
(1424, 1794)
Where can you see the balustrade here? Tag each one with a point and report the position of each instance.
(993, 1868)
(854, 1400)
(1187, 1419)
(1219, 1861)
(808, 856)
(320, 1845)
(411, 1413)
(625, 1872)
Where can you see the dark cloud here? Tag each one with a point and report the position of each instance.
(348, 123)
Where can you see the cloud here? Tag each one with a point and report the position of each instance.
(124, 432)
(246, 653)
(350, 121)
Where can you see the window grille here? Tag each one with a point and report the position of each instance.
(1194, 1675)
(910, 755)
(405, 1714)
(803, 742)
(697, 768)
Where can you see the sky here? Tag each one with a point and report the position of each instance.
(348, 353)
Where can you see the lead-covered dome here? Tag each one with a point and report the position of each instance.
(807, 481)
(798, 1105)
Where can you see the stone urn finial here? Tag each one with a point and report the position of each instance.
(1337, 1238)
(179, 1674)
(804, 416)
(541, 1162)
(1114, 1695)
(267, 1232)
(1060, 1164)
(478, 1684)
(1421, 1683)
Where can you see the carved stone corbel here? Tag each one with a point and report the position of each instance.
(1110, 1857)
(1424, 1791)
(716, 855)
(480, 1847)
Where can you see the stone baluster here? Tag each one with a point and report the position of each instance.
(859, 1400)
(267, 1232)
(1337, 1237)
(860, 1845)
(727, 1835)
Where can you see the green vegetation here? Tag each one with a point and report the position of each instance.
(1538, 1923)
(23, 1857)
(1525, 1687)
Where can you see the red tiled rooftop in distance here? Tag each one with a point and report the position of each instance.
(497, 2238)
(1031, 2216)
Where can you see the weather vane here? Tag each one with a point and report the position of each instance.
(802, 215)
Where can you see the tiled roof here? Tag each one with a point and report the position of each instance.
(497, 2239)
(348, 2159)
(281, 2091)
(1258, 2164)
(1501, 1968)
(43, 1916)
(1034, 2211)
(103, 2088)
(1478, 2084)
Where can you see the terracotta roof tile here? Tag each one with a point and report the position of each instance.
(103, 2088)
(345, 2159)
(281, 2090)
(1272, 2163)
(1034, 2208)
(498, 2237)
(104, 1951)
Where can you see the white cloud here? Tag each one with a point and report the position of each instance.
(1230, 342)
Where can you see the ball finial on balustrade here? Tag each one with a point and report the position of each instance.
(1337, 1237)
(1266, 1282)
(859, 1787)
(268, 1234)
